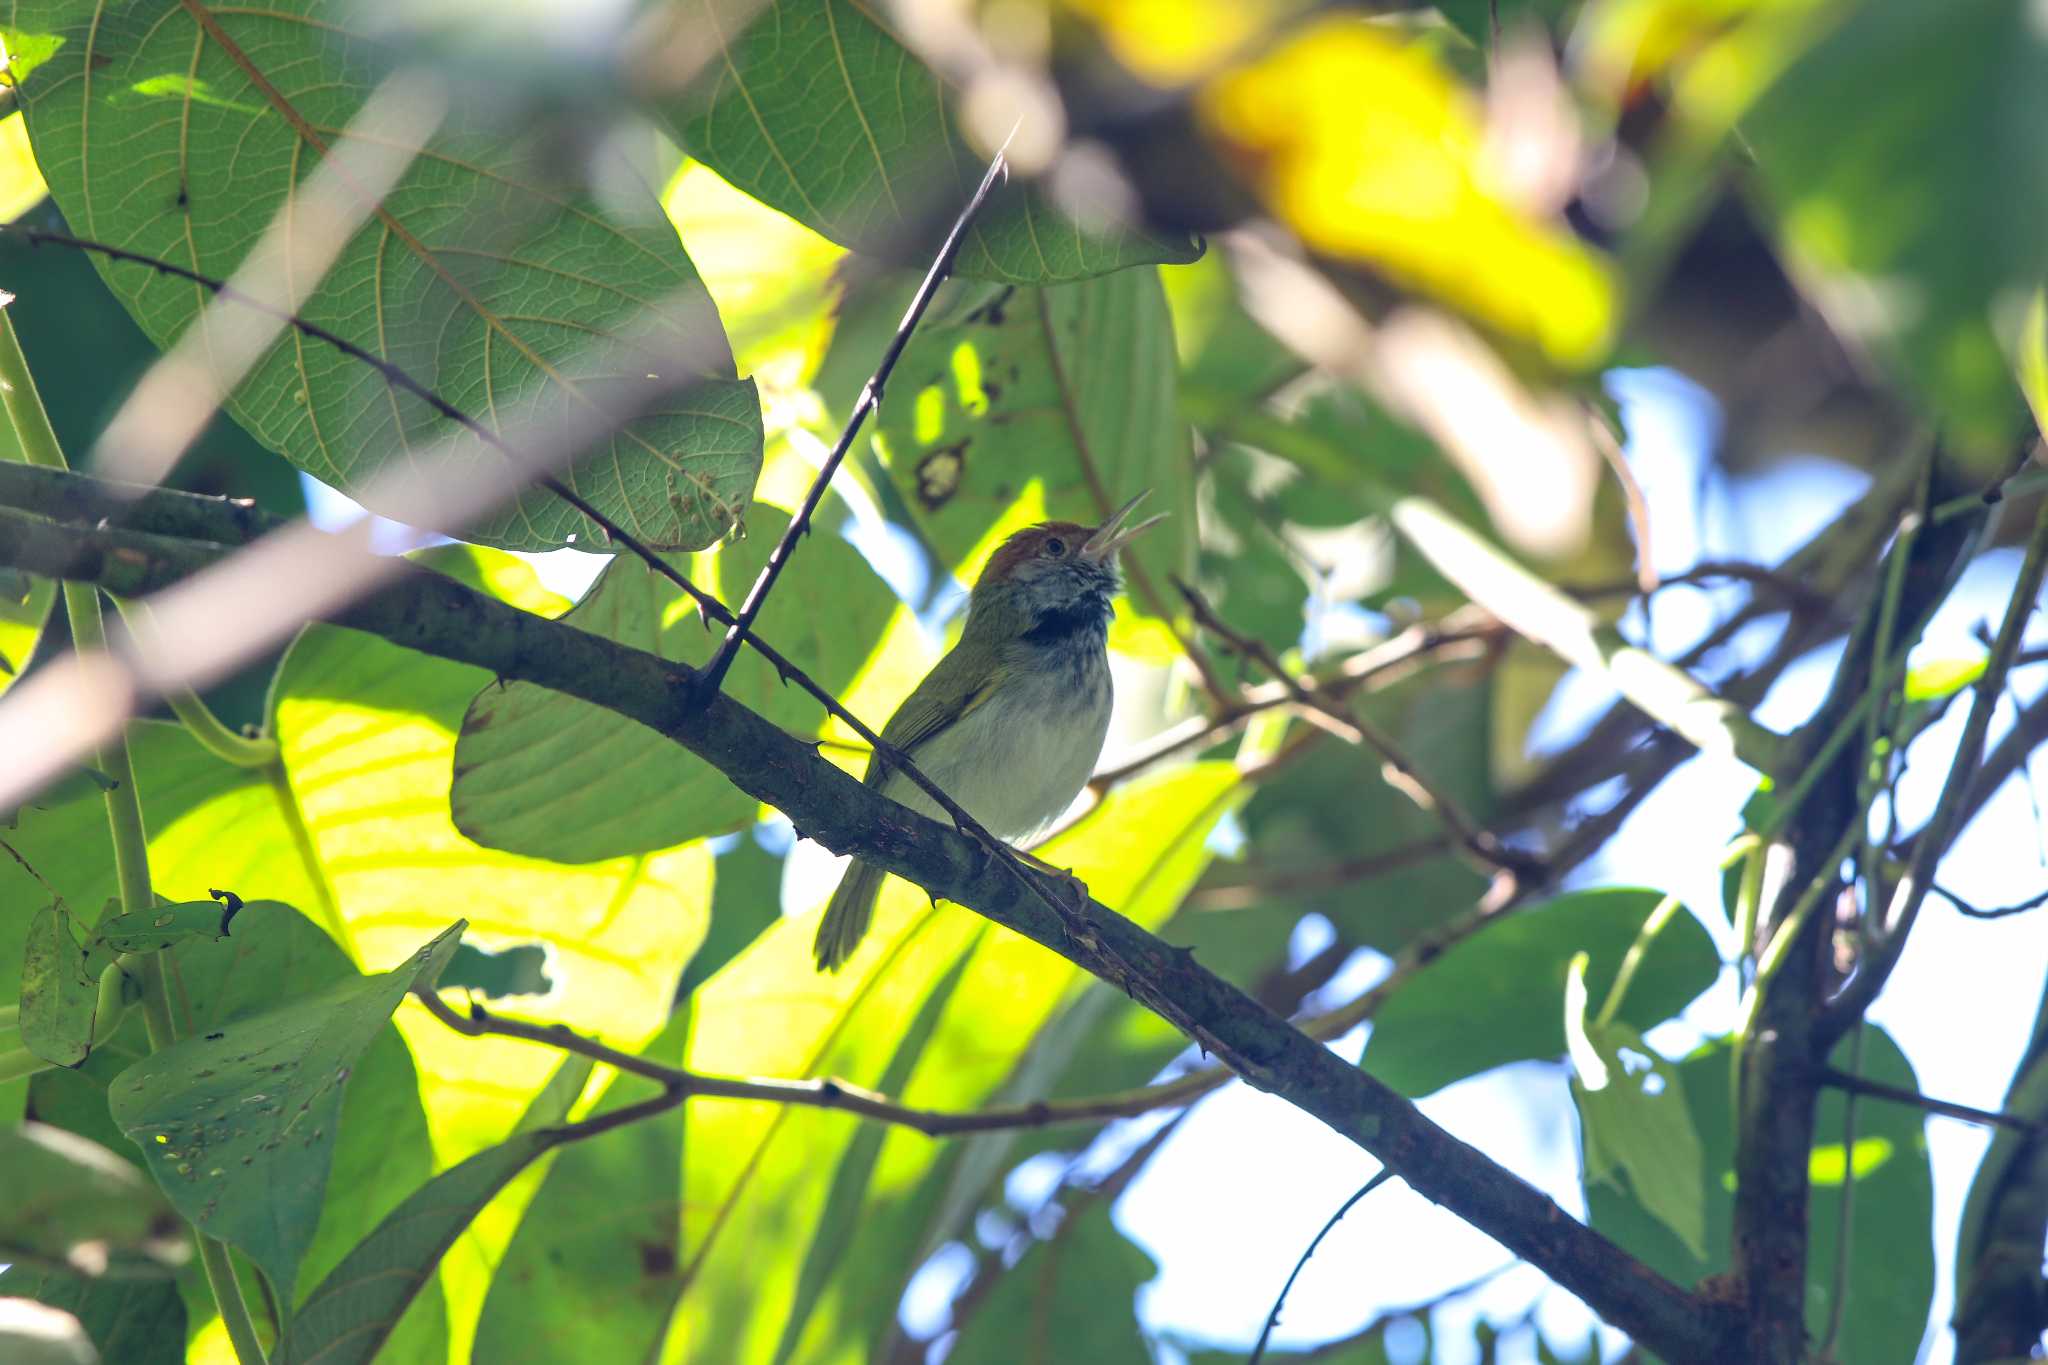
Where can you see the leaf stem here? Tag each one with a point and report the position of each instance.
(211, 732)
(1653, 925)
(39, 445)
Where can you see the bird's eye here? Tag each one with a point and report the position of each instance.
(1055, 547)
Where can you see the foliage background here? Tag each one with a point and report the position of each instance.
(1763, 313)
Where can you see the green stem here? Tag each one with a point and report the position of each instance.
(1846, 1225)
(39, 446)
(1652, 926)
(213, 734)
(18, 1062)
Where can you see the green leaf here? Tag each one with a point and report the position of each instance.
(574, 1286)
(1898, 159)
(817, 109)
(490, 271)
(1070, 1299)
(59, 994)
(1013, 406)
(1634, 1130)
(239, 1125)
(130, 1322)
(548, 776)
(367, 733)
(1498, 997)
(1891, 1256)
(150, 931)
(762, 1196)
(347, 1317)
(69, 1202)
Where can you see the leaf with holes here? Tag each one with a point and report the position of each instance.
(1017, 405)
(816, 108)
(489, 272)
(239, 1124)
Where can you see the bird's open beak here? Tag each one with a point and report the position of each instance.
(1113, 535)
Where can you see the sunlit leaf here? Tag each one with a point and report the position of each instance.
(1934, 679)
(1400, 181)
(577, 1287)
(757, 1180)
(1017, 405)
(1171, 42)
(349, 1314)
(490, 272)
(1498, 997)
(239, 1125)
(861, 147)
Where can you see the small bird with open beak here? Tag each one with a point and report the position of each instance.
(1011, 722)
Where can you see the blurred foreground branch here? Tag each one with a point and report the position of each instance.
(445, 619)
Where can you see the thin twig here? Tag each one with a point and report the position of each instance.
(1609, 445)
(1354, 729)
(1273, 1318)
(713, 676)
(1995, 912)
(1949, 1109)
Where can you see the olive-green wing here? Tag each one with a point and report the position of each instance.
(949, 692)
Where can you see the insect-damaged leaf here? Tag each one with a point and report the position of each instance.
(239, 1125)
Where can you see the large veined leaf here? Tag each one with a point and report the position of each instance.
(1016, 405)
(239, 1124)
(1891, 1251)
(1499, 996)
(489, 272)
(763, 1187)
(549, 776)
(816, 108)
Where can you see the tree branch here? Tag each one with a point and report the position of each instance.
(445, 619)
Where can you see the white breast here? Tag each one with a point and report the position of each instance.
(1018, 761)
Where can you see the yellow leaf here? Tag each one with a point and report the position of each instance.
(21, 183)
(1368, 148)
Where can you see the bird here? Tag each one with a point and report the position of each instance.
(1011, 721)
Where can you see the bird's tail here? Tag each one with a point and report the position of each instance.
(846, 918)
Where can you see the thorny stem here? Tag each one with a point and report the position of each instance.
(39, 445)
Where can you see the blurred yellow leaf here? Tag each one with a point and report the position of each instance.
(1368, 148)
(1172, 42)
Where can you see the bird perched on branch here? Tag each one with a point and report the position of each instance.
(1010, 723)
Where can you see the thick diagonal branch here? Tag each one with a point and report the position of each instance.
(440, 617)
